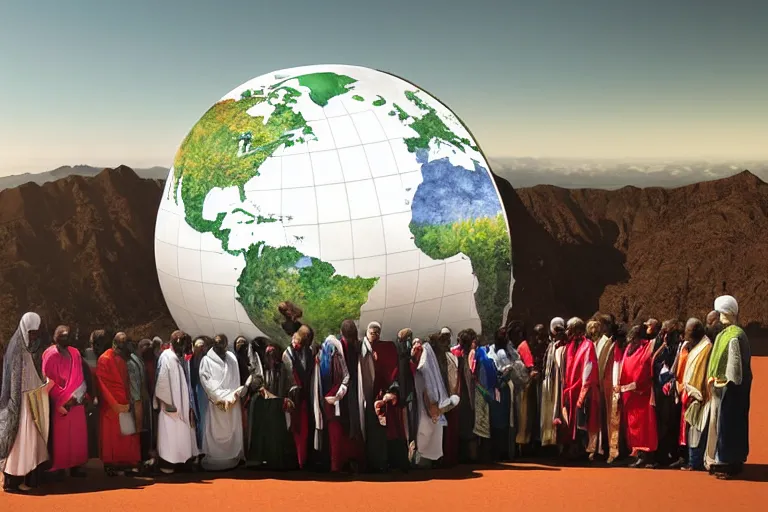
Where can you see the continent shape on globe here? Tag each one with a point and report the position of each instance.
(346, 190)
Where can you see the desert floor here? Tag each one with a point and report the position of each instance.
(522, 486)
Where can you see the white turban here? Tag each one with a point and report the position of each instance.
(727, 305)
(374, 324)
(445, 330)
(556, 322)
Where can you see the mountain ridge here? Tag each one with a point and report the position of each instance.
(80, 250)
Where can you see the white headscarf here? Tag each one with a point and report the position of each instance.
(727, 305)
(556, 322)
(29, 322)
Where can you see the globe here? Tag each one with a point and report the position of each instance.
(348, 191)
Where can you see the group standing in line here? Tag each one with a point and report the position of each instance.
(653, 395)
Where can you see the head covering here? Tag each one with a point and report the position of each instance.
(650, 321)
(10, 389)
(29, 322)
(727, 305)
(555, 323)
(445, 330)
(374, 324)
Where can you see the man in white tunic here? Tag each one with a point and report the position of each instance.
(24, 408)
(176, 441)
(223, 435)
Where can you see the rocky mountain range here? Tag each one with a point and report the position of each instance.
(79, 250)
(156, 173)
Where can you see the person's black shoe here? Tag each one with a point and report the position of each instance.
(77, 473)
(640, 462)
(679, 463)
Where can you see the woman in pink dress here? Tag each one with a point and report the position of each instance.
(63, 365)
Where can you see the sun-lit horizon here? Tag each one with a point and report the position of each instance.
(107, 83)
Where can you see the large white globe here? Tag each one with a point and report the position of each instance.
(349, 191)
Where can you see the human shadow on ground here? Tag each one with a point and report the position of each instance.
(97, 481)
(753, 473)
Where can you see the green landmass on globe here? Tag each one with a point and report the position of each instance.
(227, 147)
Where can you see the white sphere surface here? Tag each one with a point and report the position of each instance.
(348, 191)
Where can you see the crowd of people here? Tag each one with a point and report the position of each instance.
(650, 395)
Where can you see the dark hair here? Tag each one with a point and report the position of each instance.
(349, 331)
(466, 337)
(637, 332)
(220, 338)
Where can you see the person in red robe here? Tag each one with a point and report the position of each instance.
(63, 365)
(299, 361)
(636, 388)
(386, 440)
(118, 451)
(532, 354)
(581, 401)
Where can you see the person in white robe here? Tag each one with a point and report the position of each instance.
(432, 402)
(24, 408)
(176, 441)
(223, 435)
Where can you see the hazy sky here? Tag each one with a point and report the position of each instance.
(108, 82)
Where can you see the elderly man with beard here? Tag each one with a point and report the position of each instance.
(729, 381)
(581, 401)
(63, 366)
(176, 442)
(220, 377)
(120, 444)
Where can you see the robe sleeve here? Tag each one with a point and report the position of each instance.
(163, 386)
(254, 362)
(134, 377)
(342, 365)
(105, 375)
(206, 380)
(733, 369)
(49, 370)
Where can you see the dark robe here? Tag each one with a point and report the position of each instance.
(407, 387)
(302, 363)
(667, 410)
(270, 444)
(386, 445)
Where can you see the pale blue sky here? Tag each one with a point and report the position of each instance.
(109, 82)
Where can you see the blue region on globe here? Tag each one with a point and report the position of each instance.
(450, 193)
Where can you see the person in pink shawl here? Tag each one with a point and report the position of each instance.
(63, 365)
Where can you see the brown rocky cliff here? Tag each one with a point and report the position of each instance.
(80, 251)
(637, 253)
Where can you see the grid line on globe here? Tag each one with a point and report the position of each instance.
(376, 204)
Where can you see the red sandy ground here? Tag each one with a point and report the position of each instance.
(527, 487)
